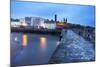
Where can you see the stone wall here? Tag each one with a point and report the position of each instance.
(73, 48)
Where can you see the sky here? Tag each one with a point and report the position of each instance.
(77, 14)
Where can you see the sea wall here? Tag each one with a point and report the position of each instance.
(73, 48)
(87, 33)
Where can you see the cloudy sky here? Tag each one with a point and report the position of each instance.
(79, 14)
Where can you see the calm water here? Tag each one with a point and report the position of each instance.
(30, 49)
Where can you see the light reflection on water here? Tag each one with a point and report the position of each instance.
(24, 40)
(38, 48)
(43, 42)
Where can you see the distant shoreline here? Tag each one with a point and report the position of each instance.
(38, 31)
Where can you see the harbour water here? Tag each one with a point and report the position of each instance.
(32, 49)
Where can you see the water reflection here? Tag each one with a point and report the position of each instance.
(24, 40)
(43, 42)
(38, 48)
(16, 39)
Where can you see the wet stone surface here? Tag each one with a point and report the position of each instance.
(73, 48)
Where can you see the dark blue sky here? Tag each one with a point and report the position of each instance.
(84, 15)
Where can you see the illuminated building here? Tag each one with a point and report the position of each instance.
(15, 24)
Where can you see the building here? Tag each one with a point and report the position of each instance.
(55, 18)
(28, 20)
(60, 25)
(23, 22)
(50, 24)
(15, 24)
(37, 22)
